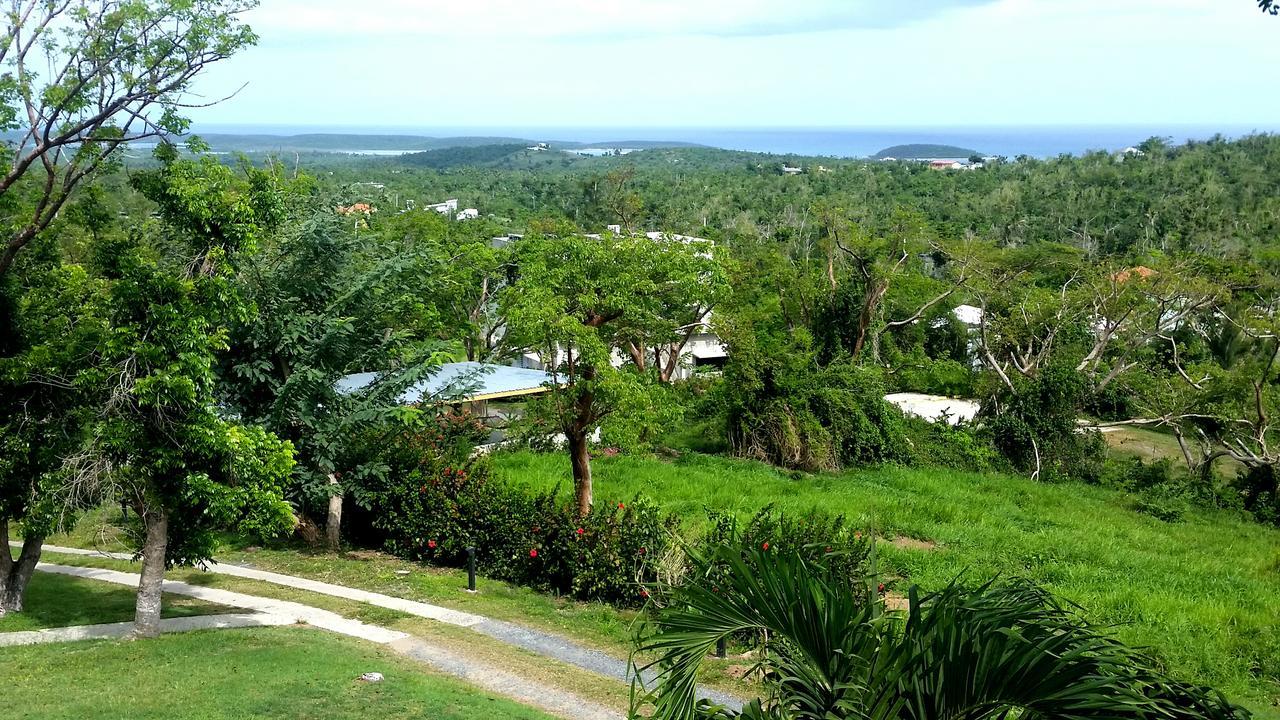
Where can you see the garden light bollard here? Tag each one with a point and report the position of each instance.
(471, 569)
(720, 648)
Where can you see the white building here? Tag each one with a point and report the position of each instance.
(468, 214)
(448, 207)
(788, 170)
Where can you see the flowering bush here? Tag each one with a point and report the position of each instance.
(434, 513)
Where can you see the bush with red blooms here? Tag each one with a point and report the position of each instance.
(434, 506)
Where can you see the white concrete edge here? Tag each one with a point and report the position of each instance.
(115, 631)
(298, 612)
(410, 607)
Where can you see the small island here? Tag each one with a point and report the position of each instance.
(924, 151)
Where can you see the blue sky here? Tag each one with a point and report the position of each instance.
(752, 63)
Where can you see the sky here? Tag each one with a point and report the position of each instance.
(750, 63)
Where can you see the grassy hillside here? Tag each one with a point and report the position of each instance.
(1200, 593)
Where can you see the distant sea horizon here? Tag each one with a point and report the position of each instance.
(843, 142)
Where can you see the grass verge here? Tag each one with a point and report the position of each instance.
(263, 672)
(60, 601)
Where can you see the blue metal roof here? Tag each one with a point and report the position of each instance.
(461, 381)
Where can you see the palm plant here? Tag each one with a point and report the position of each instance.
(832, 651)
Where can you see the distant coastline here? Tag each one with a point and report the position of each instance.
(1035, 141)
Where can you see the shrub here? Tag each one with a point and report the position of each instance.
(804, 417)
(1259, 489)
(816, 537)
(1034, 426)
(963, 446)
(435, 513)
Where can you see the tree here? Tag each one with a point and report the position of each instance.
(577, 301)
(50, 388)
(162, 445)
(84, 78)
(328, 303)
(832, 652)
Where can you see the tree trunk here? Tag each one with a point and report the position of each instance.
(580, 458)
(333, 526)
(146, 617)
(14, 575)
(870, 304)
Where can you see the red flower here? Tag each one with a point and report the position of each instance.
(622, 506)
(431, 544)
(641, 551)
(533, 553)
(765, 546)
(881, 588)
(581, 531)
(644, 593)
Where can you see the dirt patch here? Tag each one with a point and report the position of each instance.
(364, 555)
(893, 602)
(902, 542)
(740, 672)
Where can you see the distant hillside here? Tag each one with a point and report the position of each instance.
(459, 156)
(357, 143)
(339, 142)
(924, 151)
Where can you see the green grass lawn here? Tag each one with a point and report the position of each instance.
(290, 672)
(1203, 594)
(59, 601)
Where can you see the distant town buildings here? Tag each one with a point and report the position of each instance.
(789, 170)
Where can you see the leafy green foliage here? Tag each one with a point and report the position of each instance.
(833, 652)
(167, 447)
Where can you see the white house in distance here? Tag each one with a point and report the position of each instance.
(789, 170)
(467, 213)
(448, 207)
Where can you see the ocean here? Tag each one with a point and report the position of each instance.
(1036, 141)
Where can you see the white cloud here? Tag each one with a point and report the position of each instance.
(570, 18)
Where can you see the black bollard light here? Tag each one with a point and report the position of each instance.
(471, 569)
(720, 648)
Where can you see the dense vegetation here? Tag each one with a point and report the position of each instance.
(172, 335)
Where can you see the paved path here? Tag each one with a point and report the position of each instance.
(537, 641)
(481, 674)
(116, 631)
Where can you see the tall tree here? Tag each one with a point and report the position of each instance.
(577, 302)
(162, 444)
(50, 389)
(328, 303)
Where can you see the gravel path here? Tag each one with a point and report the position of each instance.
(482, 674)
(543, 643)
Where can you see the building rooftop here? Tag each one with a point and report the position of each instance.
(461, 382)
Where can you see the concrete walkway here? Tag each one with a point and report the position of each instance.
(536, 641)
(481, 674)
(117, 631)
